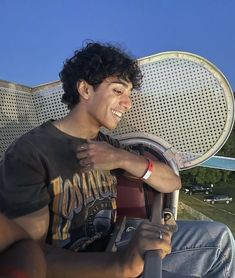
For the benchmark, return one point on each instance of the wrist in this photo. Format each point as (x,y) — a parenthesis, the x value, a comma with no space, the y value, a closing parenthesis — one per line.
(121,159)
(148,171)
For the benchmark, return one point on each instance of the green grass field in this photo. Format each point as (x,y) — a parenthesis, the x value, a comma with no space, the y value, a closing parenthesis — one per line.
(218,212)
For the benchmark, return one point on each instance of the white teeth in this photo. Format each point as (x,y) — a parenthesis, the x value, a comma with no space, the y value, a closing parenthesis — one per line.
(117,113)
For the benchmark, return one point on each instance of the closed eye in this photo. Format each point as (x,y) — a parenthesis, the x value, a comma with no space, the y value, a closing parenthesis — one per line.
(118,92)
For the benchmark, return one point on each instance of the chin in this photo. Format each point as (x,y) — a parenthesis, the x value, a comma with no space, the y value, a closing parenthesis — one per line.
(110,127)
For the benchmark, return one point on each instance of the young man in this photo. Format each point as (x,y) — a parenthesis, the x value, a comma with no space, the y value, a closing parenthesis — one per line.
(58,182)
(20,256)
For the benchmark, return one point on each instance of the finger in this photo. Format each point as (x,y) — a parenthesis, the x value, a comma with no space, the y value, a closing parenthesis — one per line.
(82,154)
(156,227)
(85,162)
(156,235)
(85,170)
(163,254)
(165,236)
(163,247)
(159,245)
(82,147)
(172,226)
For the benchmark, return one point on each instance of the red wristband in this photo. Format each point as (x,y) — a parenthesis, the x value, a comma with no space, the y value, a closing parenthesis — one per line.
(149,170)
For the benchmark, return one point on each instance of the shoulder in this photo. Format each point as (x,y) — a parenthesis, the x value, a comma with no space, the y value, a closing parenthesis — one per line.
(29,139)
(26,147)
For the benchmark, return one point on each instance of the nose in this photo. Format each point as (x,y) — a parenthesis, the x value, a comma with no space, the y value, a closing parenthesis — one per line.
(126,102)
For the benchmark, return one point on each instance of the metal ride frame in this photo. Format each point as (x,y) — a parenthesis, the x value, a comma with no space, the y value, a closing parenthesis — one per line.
(185,106)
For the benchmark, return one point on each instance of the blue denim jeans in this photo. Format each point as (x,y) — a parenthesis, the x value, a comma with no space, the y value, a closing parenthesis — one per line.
(202,249)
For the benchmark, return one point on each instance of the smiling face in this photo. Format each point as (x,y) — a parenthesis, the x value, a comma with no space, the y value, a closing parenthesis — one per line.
(109,101)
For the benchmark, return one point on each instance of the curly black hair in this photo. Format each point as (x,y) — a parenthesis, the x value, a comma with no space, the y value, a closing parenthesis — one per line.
(93,63)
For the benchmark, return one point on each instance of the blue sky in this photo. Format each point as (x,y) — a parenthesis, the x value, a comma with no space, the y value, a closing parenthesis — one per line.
(37,36)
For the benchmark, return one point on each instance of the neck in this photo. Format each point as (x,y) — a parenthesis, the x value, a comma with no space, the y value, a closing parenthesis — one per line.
(78,124)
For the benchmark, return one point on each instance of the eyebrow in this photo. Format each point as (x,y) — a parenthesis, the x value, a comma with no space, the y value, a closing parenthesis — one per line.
(122,83)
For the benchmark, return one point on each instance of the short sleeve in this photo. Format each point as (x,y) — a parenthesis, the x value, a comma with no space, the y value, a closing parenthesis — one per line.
(23,188)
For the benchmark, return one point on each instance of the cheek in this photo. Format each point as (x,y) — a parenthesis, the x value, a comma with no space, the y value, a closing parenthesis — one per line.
(101,106)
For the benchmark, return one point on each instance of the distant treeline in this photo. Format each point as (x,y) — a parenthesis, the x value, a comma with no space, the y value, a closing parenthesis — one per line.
(201,175)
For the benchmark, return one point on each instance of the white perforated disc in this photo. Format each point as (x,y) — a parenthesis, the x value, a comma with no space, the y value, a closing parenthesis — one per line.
(186,101)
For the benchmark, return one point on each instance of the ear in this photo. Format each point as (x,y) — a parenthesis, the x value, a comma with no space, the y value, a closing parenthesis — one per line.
(83,89)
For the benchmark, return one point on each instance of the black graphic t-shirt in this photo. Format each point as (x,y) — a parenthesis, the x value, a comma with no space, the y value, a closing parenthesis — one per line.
(40,168)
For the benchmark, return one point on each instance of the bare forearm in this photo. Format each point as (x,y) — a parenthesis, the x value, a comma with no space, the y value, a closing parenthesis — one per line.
(162,179)
(25,257)
(101,155)
(67,264)
(10,233)
(15,247)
